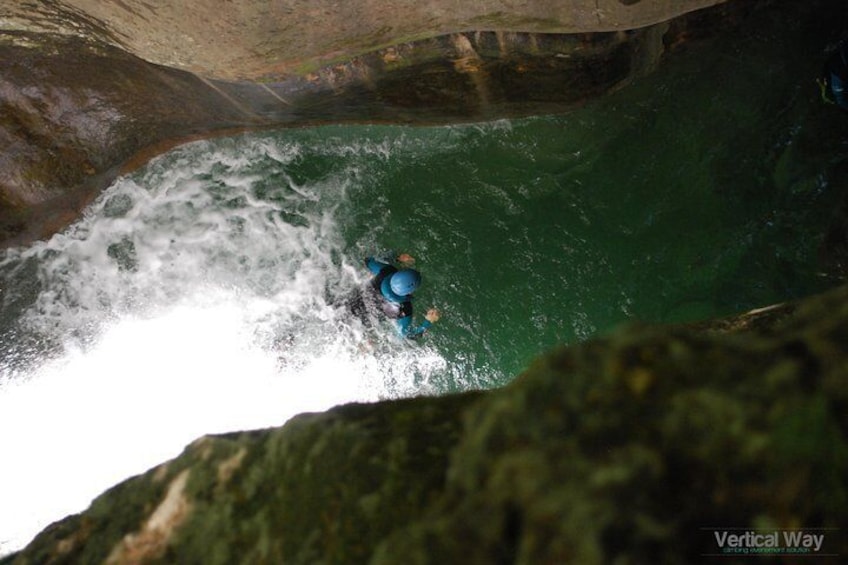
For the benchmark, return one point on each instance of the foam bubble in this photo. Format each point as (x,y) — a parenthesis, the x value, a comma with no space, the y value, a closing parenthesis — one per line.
(195,297)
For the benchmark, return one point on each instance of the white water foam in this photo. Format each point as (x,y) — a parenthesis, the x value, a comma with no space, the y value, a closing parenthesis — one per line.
(192,299)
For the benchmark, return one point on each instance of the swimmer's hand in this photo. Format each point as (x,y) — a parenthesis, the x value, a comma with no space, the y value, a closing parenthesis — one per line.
(406,259)
(432,315)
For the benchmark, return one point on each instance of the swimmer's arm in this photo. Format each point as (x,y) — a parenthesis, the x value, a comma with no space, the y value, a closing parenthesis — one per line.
(374,264)
(407,330)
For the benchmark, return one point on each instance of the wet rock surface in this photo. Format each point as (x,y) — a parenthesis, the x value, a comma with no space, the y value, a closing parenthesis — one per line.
(68,121)
(260,40)
(77,105)
(624,449)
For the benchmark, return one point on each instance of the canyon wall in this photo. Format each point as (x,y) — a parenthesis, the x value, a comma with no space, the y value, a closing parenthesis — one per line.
(89,89)
(624,449)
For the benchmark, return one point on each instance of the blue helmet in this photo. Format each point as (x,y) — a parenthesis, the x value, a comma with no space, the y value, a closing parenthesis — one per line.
(405,281)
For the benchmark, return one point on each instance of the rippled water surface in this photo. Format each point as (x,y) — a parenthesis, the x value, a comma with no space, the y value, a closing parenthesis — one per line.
(200,293)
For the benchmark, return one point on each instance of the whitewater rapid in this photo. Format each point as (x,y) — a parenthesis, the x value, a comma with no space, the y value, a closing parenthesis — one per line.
(196,296)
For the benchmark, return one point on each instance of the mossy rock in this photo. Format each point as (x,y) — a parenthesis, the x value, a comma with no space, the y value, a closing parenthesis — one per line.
(622,449)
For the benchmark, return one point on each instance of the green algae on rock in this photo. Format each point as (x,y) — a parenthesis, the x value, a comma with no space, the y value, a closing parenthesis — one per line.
(622,449)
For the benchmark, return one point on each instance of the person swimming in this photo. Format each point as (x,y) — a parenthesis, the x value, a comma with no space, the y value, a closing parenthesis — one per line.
(390,293)
(835,77)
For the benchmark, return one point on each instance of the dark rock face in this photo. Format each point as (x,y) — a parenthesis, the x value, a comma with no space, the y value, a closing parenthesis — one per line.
(72,112)
(623,449)
(76,108)
(256,40)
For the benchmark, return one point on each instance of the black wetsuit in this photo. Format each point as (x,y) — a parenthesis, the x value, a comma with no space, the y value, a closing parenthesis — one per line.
(377,298)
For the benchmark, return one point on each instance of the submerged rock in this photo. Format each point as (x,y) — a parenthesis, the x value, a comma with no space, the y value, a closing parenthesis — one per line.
(645,446)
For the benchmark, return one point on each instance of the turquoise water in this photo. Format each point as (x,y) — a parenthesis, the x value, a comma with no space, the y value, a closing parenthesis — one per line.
(202,289)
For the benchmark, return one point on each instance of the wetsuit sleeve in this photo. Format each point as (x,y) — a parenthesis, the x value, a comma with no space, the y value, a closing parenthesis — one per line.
(374,265)
(406,328)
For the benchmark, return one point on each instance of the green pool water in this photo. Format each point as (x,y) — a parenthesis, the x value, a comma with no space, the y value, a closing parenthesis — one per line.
(204,287)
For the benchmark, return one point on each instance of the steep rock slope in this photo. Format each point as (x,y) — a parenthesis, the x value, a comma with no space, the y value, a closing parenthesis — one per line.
(633,448)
